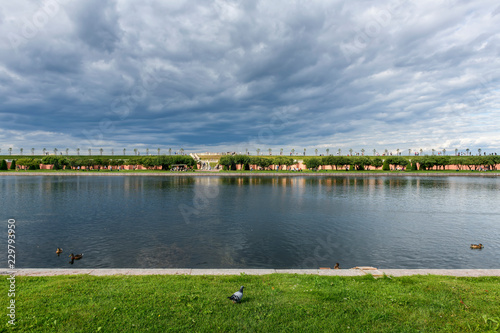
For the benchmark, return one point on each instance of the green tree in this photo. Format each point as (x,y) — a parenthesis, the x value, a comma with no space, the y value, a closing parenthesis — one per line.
(21,151)
(10,151)
(343,161)
(282,160)
(428,162)
(386,166)
(3,165)
(228,162)
(242,160)
(361,162)
(13,165)
(377,162)
(443,161)
(329,160)
(327,151)
(32,151)
(312,163)
(263,162)
(56,165)
(100,151)
(78,151)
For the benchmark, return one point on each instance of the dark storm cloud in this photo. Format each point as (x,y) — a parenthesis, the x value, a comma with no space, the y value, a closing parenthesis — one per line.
(230,75)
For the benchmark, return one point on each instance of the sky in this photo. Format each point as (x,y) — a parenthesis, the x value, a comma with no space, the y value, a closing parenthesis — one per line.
(229,75)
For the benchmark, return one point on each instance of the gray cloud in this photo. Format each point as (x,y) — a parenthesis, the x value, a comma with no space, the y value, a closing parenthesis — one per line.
(215,75)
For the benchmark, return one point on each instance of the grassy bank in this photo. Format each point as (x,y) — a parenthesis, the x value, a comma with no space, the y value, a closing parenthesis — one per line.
(271,303)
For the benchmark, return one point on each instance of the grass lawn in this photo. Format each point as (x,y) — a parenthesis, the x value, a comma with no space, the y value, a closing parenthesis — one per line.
(271,303)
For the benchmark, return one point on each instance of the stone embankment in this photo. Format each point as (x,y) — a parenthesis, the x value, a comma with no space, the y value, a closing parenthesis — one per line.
(356,271)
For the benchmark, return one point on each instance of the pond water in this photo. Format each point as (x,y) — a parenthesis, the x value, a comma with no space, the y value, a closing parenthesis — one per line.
(252,222)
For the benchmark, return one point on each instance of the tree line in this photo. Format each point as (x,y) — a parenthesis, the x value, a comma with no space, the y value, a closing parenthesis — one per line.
(59,162)
(230,161)
(362,162)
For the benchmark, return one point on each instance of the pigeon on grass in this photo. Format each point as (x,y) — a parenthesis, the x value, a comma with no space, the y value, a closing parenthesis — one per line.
(237,296)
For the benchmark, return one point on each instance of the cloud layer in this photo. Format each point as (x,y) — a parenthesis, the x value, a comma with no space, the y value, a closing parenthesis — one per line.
(233,75)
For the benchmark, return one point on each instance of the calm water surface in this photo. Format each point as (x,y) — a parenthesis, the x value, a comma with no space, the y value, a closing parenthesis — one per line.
(252,222)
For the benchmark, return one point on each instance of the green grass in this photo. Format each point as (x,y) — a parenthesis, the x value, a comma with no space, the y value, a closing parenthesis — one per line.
(271,303)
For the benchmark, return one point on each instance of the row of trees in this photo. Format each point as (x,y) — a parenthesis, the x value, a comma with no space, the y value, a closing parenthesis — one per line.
(362,162)
(413,163)
(230,161)
(58,162)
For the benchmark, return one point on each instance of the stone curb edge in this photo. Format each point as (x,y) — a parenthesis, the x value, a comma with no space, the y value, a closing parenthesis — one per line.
(357,271)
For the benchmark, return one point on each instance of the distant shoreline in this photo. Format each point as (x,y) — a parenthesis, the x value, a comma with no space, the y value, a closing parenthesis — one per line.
(260,174)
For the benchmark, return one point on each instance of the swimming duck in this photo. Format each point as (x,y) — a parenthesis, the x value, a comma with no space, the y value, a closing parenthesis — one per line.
(58,251)
(75,257)
(337,266)
(476,246)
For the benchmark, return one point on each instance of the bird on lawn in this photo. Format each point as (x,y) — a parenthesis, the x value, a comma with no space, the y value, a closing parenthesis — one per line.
(75,257)
(58,251)
(476,246)
(237,296)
